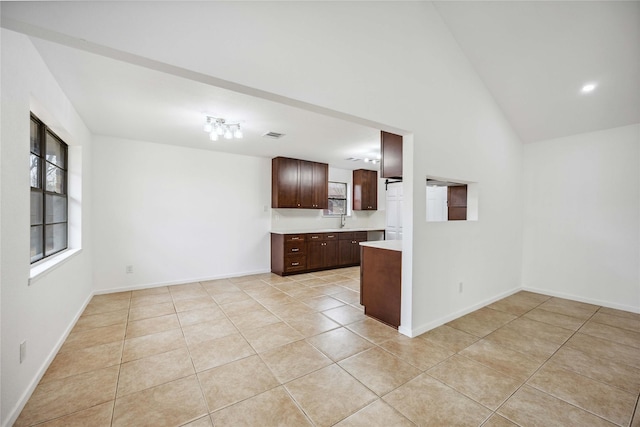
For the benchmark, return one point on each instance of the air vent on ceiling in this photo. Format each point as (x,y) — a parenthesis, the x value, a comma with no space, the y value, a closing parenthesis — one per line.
(274,135)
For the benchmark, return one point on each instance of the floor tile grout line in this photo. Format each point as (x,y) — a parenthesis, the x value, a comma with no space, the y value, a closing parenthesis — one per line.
(526,382)
(374,344)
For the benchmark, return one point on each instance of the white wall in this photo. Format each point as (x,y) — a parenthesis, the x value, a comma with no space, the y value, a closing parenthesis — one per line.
(389,63)
(582,217)
(177,214)
(313,219)
(41,313)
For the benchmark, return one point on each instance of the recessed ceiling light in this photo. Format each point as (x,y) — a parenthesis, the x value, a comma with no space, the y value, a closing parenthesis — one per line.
(589,87)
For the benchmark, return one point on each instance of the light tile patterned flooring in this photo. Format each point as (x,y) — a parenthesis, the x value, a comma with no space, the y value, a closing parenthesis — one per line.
(264,350)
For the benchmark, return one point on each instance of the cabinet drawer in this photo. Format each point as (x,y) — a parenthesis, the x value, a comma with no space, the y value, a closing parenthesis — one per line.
(294,237)
(295,263)
(346,235)
(294,248)
(315,237)
(331,236)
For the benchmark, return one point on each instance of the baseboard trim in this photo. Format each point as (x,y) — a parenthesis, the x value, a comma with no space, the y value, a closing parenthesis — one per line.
(24,398)
(414,332)
(177,282)
(572,297)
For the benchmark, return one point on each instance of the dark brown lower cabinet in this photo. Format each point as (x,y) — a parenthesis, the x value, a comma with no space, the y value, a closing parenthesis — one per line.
(288,253)
(380,284)
(322,252)
(349,247)
(301,253)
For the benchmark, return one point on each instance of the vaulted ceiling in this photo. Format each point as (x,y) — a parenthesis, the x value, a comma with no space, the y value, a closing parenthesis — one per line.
(533,57)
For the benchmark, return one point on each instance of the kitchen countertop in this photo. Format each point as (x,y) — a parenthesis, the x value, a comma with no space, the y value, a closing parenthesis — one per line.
(392,245)
(325,230)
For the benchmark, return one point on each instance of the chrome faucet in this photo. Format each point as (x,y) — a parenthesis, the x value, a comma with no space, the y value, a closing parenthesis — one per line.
(343,220)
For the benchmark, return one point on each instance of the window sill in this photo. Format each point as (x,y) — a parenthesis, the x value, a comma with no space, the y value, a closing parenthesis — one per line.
(44,267)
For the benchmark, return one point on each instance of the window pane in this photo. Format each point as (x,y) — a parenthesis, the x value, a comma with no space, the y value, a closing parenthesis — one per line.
(35,141)
(337,207)
(35,171)
(56,209)
(55,179)
(55,237)
(36,208)
(36,243)
(55,151)
(337,190)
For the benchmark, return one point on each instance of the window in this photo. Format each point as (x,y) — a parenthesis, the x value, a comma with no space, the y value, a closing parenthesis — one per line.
(337,198)
(48,192)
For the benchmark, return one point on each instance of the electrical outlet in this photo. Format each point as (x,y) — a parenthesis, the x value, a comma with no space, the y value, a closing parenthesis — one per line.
(129,269)
(23,351)
(460,286)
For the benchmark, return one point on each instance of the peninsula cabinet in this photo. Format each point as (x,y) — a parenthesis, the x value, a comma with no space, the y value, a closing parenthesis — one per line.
(365,190)
(299,184)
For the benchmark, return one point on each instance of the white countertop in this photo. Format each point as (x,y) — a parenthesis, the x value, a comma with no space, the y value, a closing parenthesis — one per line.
(325,230)
(392,245)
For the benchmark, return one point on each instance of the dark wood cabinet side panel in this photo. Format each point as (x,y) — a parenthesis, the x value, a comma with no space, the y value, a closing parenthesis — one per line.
(277,253)
(391,151)
(381,284)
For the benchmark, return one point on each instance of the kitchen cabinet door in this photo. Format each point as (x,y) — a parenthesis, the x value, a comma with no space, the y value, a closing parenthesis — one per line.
(321,253)
(285,183)
(320,186)
(365,190)
(457,203)
(306,185)
(314,254)
(299,184)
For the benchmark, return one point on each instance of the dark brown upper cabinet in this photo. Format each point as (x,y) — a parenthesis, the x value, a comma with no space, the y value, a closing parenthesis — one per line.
(365,190)
(299,184)
(391,152)
(457,203)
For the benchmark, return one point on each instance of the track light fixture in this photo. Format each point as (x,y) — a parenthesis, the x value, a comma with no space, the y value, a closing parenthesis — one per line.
(217,127)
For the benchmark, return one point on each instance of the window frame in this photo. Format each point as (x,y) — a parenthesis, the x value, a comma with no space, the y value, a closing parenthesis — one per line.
(327,211)
(45,134)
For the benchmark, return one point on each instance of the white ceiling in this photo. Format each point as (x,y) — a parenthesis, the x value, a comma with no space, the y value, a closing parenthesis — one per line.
(115,98)
(532,56)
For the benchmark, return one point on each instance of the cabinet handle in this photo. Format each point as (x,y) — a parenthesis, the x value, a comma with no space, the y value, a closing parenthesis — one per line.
(295,238)
(314,237)
(295,263)
(295,249)
(330,237)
